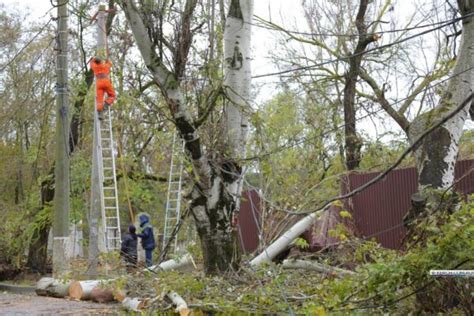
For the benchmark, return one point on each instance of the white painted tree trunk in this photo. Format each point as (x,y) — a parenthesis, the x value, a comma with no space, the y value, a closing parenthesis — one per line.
(436,157)
(284,240)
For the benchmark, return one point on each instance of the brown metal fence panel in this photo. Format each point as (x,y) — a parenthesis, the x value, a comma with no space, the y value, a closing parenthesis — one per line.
(378,211)
(248,226)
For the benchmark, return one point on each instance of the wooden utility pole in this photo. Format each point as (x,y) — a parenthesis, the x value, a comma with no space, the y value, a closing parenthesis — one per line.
(61,172)
(96,231)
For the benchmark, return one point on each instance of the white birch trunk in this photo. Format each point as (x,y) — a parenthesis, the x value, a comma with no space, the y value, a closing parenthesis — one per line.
(436,157)
(237,82)
(179,302)
(173,264)
(284,240)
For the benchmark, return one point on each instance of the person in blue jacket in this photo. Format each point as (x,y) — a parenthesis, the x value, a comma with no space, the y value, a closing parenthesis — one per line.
(148,240)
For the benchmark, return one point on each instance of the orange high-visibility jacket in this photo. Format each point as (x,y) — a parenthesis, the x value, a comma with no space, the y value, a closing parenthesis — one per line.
(103,84)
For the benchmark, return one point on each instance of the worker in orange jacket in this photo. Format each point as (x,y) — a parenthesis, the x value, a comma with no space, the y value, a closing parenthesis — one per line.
(103,84)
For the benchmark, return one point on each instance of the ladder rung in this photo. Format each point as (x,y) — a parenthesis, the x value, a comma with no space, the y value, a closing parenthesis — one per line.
(113,238)
(109,188)
(109,197)
(111,228)
(108,168)
(108,178)
(106,138)
(111,217)
(110,207)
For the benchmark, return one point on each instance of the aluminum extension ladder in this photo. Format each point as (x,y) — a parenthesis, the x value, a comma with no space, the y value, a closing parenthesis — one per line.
(173,197)
(108,182)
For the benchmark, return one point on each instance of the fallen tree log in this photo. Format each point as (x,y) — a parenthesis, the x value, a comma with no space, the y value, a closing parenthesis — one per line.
(102,295)
(173,264)
(315,266)
(82,290)
(284,240)
(181,305)
(52,287)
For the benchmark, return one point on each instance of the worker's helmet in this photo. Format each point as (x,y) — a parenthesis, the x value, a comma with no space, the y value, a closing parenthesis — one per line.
(98,59)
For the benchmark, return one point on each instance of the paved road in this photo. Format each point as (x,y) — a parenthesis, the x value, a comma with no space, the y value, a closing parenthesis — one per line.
(30,304)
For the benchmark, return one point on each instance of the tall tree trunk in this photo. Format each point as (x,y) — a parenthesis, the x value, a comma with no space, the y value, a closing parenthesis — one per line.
(436,156)
(353,143)
(216,185)
(237,78)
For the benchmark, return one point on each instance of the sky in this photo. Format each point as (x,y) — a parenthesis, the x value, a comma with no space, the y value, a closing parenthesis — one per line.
(279,11)
(287,13)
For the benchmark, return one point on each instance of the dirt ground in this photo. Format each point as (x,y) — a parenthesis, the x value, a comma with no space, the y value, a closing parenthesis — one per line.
(20,304)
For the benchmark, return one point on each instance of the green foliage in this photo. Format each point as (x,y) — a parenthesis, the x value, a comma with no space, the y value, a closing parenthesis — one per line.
(390,283)
(301,243)
(386,281)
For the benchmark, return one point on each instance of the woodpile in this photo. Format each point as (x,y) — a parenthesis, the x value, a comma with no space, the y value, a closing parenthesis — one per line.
(102,291)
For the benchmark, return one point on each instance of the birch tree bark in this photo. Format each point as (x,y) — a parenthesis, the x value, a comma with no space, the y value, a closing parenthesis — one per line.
(237,78)
(216,181)
(436,157)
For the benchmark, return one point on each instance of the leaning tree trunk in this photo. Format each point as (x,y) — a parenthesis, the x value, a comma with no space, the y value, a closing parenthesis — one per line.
(213,202)
(436,156)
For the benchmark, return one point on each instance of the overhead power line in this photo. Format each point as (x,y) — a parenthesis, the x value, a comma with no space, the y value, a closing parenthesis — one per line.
(273,27)
(26,45)
(304,140)
(303,68)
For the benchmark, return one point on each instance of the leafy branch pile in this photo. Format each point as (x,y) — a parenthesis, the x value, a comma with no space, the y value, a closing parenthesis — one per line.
(389,282)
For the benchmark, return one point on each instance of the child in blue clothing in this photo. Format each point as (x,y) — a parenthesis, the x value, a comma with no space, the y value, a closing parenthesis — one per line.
(148,239)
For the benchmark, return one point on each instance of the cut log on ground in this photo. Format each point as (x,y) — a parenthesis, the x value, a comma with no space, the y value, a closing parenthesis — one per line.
(173,264)
(102,295)
(52,287)
(315,266)
(134,304)
(82,290)
(181,306)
